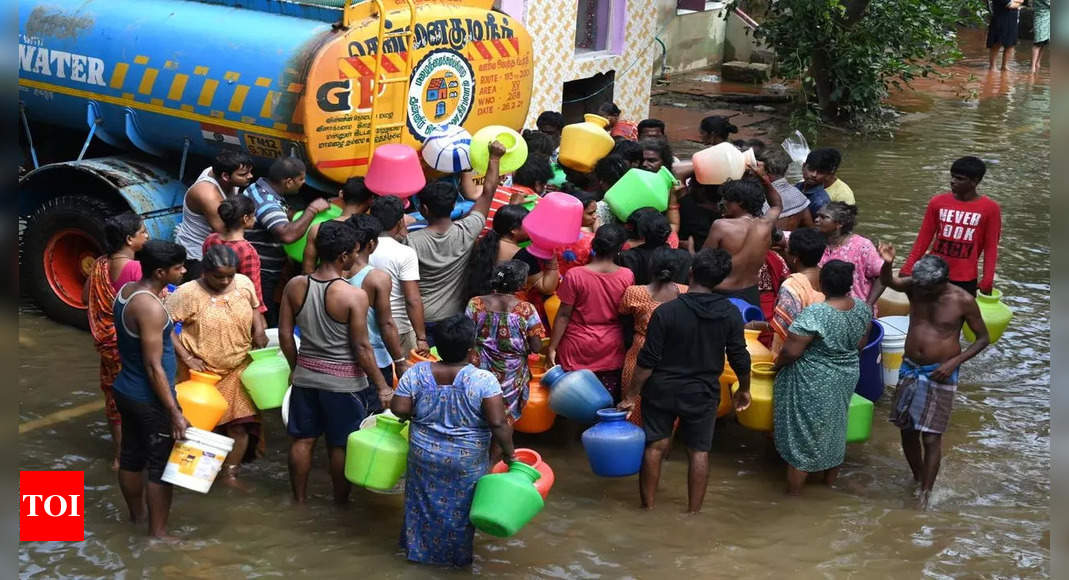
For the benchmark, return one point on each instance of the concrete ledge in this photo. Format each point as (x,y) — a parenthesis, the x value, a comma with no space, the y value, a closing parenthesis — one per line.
(763,55)
(745,72)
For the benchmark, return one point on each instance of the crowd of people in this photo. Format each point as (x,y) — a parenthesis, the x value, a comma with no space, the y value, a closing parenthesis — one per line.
(643,304)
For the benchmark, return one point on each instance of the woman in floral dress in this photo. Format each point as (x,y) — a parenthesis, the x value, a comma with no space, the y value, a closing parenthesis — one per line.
(507,330)
(220,325)
(836,221)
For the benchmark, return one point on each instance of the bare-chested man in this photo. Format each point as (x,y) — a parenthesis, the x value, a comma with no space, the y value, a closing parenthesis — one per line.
(230,172)
(744,232)
(928,377)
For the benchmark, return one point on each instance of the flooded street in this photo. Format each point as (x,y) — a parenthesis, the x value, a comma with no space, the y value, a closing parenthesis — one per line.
(990,507)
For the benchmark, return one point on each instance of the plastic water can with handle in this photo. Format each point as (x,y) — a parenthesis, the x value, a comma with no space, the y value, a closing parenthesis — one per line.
(859,419)
(515,149)
(582,145)
(719,163)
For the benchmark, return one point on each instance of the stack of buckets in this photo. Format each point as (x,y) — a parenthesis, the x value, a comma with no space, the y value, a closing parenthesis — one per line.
(893,347)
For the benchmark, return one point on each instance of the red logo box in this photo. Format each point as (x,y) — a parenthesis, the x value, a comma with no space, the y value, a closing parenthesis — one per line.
(51,506)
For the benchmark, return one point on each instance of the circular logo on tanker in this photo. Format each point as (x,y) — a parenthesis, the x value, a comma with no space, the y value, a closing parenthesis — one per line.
(441,91)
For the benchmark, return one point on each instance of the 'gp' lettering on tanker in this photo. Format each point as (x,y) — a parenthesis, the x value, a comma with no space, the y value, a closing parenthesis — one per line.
(61,64)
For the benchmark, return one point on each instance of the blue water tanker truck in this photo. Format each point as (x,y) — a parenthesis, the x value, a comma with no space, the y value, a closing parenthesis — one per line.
(122,104)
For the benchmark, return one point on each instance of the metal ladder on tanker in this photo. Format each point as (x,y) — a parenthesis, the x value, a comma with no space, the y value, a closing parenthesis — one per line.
(407,35)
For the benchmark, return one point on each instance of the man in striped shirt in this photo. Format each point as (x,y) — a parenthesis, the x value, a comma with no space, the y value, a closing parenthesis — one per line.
(273,226)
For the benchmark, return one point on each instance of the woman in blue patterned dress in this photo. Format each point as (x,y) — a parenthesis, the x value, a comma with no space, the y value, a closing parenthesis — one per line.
(455,409)
(818,370)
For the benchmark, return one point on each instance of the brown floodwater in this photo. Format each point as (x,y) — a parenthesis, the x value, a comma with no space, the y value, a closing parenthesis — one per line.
(989,516)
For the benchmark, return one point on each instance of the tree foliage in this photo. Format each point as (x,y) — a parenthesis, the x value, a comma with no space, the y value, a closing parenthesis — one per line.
(848,54)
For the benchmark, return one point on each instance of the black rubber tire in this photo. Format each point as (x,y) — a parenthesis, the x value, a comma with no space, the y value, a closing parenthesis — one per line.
(74,211)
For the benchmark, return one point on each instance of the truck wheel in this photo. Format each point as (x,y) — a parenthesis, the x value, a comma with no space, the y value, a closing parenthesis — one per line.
(62,239)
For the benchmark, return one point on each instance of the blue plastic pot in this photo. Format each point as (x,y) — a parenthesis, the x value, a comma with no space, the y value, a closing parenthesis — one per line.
(614,446)
(576,395)
(870,385)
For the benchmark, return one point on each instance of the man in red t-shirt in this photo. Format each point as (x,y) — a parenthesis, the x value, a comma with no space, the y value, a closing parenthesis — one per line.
(964,225)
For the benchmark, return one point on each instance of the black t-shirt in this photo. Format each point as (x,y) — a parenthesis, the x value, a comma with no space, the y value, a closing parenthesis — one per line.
(640,261)
(534,265)
(686,341)
(695,220)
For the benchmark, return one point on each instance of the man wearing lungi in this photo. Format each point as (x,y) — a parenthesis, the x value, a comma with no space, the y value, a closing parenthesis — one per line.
(928,377)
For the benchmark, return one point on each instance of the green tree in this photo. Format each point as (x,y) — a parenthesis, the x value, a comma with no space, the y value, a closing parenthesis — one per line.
(850,53)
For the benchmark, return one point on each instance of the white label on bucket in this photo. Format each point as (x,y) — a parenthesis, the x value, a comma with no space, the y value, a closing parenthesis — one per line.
(207,467)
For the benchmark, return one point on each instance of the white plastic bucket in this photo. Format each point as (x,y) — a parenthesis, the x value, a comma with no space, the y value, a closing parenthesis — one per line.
(893,347)
(272,339)
(286,407)
(197,459)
